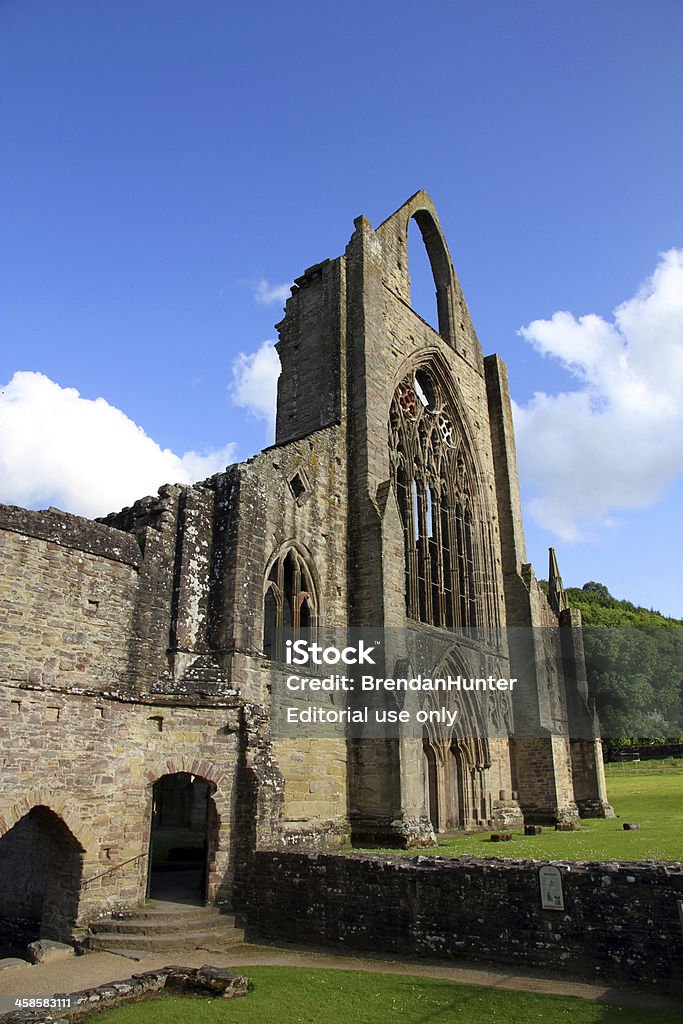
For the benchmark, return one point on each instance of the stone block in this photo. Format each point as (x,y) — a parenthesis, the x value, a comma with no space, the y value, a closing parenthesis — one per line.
(12,961)
(45,951)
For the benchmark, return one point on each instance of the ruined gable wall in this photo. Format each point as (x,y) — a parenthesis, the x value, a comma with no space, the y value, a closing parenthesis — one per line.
(385,337)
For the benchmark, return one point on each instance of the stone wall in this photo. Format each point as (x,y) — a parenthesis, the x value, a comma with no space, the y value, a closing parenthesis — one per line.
(67,596)
(92,762)
(620,921)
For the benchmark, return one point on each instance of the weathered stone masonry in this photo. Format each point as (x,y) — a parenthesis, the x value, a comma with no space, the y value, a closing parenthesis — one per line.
(143,645)
(620,920)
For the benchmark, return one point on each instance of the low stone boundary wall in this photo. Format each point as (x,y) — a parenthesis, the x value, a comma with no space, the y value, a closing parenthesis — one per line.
(620,920)
(203,981)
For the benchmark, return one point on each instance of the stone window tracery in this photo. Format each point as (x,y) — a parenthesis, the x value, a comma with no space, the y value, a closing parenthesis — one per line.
(289,602)
(434,488)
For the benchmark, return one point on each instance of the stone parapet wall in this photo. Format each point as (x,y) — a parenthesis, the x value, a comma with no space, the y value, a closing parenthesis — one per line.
(71,531)
(621,921)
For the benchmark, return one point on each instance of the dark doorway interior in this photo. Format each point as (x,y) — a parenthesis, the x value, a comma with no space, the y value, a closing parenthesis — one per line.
(41,865)
(179,837)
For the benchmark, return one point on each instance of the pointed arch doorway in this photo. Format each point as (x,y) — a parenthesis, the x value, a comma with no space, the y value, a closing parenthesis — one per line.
(182,833)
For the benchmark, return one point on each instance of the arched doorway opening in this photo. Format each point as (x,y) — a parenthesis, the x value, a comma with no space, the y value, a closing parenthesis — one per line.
(41,866)
(182,833)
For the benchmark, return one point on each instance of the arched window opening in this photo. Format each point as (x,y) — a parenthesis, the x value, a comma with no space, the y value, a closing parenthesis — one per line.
(270,617)
(289,603)
(424,390)
(305,613)
(429,512)
(422,284)
(469,554)
(416,514)
(435,497)
(291,588)
(430,274)
(448,571)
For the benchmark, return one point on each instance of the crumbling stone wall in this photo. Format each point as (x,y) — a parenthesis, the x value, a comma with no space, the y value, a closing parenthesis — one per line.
(620,920)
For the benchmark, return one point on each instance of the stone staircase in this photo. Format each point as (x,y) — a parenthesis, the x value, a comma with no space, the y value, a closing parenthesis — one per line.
(161,926)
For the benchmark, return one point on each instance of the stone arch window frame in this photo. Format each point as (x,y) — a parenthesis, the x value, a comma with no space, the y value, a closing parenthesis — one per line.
(304,572)
(442,269)
(477,601)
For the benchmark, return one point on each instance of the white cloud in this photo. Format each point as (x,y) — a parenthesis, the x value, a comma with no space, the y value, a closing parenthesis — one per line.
(254,383)
(270,294)
(616,442)
(84,456)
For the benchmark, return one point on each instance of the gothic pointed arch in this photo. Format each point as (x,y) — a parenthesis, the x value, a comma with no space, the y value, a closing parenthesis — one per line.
(290,597)
(439,260)
(457,758)
(420,209)
(444,512)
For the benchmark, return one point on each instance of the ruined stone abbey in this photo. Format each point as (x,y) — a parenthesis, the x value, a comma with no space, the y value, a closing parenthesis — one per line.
(137,652)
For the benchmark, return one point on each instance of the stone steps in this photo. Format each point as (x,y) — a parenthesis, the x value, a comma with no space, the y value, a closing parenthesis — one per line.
(165,927)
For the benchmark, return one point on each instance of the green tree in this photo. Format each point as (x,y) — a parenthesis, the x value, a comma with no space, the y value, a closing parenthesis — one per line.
(634,657)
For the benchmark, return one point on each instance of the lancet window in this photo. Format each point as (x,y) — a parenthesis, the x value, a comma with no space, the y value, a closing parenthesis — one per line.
(434,486)
(289,603)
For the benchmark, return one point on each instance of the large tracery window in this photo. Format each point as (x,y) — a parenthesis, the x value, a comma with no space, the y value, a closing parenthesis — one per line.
(289,602)
(434,487)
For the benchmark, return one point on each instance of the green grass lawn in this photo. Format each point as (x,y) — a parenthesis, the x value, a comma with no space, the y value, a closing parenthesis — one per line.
(650,793)
(296,995)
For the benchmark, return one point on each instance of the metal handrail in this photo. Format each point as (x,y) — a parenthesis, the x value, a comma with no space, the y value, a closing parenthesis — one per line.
(110,870)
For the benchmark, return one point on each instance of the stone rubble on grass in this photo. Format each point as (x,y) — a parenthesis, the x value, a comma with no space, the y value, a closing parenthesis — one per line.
(204,981)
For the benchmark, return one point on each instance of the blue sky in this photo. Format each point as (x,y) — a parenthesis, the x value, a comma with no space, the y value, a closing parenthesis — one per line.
(169,166)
